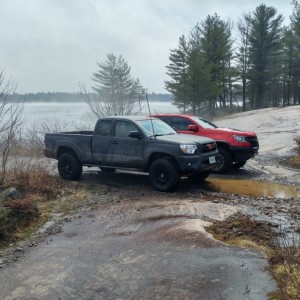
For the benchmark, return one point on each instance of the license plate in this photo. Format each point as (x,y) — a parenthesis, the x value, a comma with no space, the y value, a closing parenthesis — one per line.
(212,159)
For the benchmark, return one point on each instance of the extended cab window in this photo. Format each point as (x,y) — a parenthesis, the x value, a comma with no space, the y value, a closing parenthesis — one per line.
(123,128)
(180,123)
(104,127)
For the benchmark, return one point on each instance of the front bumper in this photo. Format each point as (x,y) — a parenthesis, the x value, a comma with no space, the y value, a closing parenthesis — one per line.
(243,153)
(198,163)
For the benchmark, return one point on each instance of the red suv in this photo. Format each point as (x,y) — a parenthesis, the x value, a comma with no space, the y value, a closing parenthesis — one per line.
(235,146)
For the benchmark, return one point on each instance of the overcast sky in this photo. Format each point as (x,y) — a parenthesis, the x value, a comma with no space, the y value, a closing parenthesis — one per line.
(52,45)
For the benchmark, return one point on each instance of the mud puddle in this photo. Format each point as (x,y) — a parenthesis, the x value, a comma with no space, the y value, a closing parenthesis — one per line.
(251,188)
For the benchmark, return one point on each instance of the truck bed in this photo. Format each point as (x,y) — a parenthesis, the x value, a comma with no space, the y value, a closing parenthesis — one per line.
(79,141)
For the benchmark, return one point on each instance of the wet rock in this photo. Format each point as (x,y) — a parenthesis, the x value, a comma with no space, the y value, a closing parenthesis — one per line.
(19,249)
(10,193)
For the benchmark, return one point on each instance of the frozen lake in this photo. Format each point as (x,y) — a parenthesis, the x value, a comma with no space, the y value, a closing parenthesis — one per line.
(37,112)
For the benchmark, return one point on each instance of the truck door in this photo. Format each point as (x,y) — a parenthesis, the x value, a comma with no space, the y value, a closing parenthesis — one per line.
(124,150)
(101,142)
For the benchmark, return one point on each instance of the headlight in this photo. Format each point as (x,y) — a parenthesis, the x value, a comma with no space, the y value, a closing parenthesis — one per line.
(188,149)
(240,138)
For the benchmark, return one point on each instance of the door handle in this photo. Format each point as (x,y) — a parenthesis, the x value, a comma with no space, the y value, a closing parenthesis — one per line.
(115,142)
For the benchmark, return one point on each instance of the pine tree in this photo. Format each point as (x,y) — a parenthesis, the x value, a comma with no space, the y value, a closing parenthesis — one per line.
(289,63)
(216,45)
(264,54)
(295,64)
(117,92)
(243,54)
(200,67)
(178,71)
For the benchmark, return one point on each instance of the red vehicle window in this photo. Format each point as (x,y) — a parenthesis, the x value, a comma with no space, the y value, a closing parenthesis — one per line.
(181,123)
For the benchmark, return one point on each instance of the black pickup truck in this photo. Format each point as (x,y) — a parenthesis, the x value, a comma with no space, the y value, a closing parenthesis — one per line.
(137,143)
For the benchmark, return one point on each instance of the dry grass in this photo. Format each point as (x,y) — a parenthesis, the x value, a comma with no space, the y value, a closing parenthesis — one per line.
(241,228)
(285,267)
(30,176)
(294,161)
(297,140)
(36,187)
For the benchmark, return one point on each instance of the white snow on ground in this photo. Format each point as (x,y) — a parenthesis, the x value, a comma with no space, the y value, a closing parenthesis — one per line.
(276,128)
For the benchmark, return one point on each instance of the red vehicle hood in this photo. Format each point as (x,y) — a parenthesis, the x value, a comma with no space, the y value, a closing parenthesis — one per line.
(232,131)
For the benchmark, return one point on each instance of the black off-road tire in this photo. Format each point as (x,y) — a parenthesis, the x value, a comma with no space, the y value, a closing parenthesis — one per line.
(69,167)
(238,164)
(225,161)
(199,177)
(164,175)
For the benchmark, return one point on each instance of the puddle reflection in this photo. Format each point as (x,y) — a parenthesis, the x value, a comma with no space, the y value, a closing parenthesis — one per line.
(251,188)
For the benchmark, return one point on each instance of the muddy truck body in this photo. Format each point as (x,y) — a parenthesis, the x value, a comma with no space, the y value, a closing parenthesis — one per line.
(135,143)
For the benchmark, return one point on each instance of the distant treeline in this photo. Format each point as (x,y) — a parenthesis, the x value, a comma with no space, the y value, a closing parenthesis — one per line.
(76,97)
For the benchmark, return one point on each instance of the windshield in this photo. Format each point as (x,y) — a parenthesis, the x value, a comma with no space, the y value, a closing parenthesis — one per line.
(155,127)
(204,123)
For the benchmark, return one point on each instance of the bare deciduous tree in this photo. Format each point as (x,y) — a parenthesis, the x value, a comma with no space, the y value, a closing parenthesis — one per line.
(33,137)
(11,110)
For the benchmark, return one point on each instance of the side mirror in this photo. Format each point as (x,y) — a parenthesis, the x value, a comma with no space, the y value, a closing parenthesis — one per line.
(135,134)
(193,128)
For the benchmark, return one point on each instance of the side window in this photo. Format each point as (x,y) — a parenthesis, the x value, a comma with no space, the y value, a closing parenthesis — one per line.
(180,123)
(104,127)
(166,119)
(123,128)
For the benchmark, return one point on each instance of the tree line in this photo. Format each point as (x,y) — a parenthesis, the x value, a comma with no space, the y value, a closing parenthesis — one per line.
(72,97)
(209,71)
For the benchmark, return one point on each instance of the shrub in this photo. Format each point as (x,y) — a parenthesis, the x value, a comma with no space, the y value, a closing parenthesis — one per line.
(30,141)
(297,140)
(285,266)
(5,225)
(32,176)
(22,212)
(16,214)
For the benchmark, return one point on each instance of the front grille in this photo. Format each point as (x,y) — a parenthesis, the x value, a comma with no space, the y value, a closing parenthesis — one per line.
(208,147)
(253,142)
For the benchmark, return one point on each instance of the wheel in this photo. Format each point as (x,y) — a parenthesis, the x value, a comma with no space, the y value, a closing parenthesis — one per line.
(108,170)
(198,177)
(164,175)
(225,161)
(238,164)
(69,167)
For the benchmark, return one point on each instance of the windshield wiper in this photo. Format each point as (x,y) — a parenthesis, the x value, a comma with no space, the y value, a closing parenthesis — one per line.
(157,134)
(162,134)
